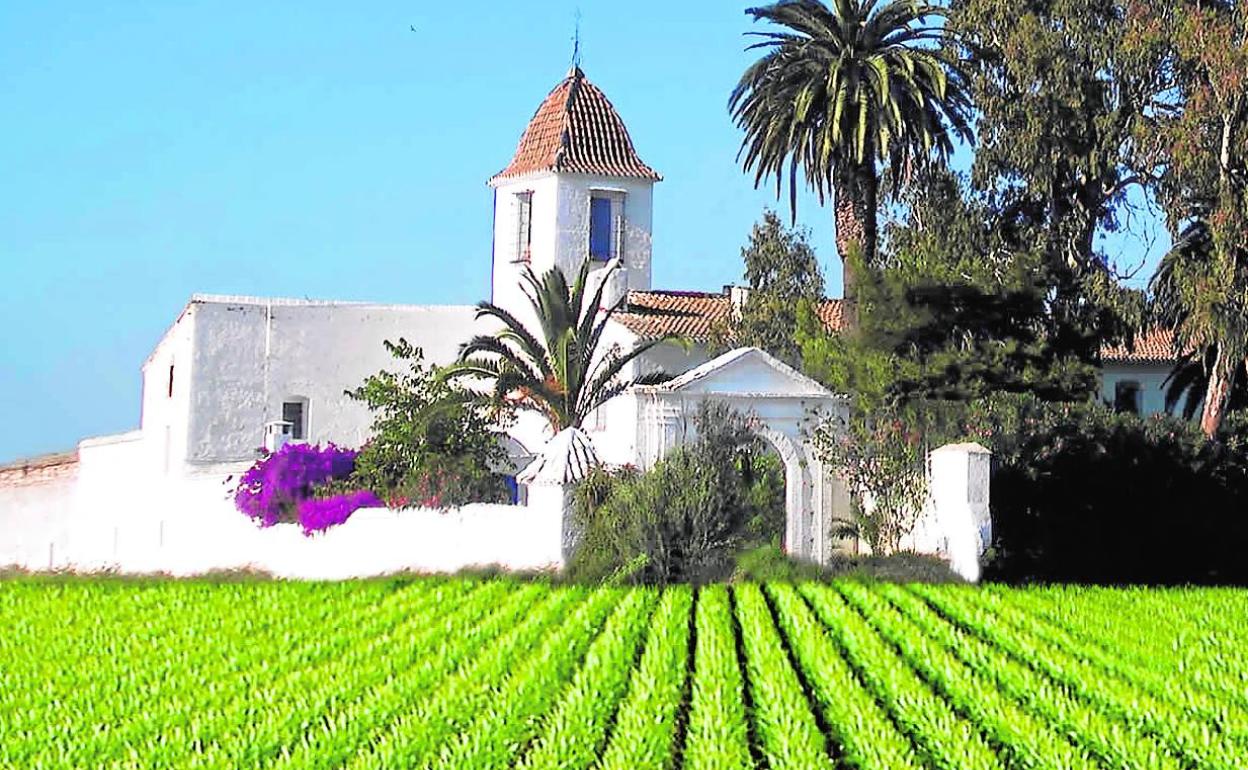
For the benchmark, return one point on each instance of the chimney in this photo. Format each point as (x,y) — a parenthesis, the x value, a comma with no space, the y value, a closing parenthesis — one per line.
(738,295)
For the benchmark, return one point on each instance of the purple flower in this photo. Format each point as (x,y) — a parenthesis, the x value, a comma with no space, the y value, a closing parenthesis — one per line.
(271,490)
(319,514)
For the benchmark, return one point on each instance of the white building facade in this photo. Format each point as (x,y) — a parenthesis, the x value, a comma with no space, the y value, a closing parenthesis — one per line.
(230,368)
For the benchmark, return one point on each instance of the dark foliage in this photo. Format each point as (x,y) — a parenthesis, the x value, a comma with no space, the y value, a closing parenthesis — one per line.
(1082,494)
(682,520)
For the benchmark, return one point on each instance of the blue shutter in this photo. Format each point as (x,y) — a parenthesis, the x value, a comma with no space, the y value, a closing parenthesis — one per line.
(600,228)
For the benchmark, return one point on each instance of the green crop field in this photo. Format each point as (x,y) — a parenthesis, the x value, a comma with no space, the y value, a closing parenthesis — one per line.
(457,673)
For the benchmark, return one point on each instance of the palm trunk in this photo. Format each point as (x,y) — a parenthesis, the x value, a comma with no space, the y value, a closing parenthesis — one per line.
(1218,393)
(855,192)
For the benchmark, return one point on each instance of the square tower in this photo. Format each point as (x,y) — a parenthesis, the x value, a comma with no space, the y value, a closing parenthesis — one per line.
(574,191)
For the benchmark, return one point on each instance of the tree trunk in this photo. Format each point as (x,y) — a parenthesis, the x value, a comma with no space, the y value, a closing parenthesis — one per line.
(1218,393)
(855,192)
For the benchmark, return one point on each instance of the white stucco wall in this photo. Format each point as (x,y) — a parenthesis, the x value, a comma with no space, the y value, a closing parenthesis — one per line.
(251,355)
(560,231)
(167,377)
(36,507)
(1150,376)
(111,517)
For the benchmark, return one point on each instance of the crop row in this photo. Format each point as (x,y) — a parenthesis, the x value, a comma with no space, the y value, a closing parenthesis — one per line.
(465,673)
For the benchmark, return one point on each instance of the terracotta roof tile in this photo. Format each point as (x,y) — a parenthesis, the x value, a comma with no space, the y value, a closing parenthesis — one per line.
(693,314)
(1153,346)
(696,314)
(577,130)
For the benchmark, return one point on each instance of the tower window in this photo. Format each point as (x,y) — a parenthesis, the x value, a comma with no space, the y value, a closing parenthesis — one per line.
(600,227)
(170,380)
(295,413)
(524,225)
(1127,396)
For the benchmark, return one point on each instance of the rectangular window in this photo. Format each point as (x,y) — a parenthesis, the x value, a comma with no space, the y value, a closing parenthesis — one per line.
(524,225)
(599,228)
(1127,396)
(292,412)
(170,380)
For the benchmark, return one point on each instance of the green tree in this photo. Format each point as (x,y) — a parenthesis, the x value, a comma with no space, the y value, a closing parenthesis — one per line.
(843,91)
(1066,97)
(1201,286)
(956,309)
(431,443)
(782,273)
(558,370)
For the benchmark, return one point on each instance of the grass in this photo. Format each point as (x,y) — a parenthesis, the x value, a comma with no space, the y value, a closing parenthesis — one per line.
(241,672)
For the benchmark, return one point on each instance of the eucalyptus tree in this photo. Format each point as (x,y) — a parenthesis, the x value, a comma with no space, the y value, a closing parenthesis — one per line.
(1201,286)
(1200,291)
(559,369)
(844,92)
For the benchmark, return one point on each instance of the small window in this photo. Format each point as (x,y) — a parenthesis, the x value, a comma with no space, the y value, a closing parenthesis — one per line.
(599,228)
(524,226)
(1127,396)
(293,412)
(170,380)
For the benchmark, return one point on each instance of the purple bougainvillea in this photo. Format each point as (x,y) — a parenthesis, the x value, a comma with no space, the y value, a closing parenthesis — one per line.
(272,489)
(319,514)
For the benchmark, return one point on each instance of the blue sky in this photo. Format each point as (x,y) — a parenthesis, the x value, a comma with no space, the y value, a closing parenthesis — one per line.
(149,150)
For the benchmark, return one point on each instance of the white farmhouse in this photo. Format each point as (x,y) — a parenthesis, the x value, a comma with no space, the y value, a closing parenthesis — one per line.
(231,369)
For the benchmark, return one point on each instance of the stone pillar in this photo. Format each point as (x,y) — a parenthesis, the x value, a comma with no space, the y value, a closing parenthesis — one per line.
(959,495)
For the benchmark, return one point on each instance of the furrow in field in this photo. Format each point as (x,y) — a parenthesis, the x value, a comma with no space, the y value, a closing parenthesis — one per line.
(346,730)
(1199,743)
(513,719)
(717,737)
(573,735)
(787,730)
(208,721)
(1113,742)
(415,736)
(867,739)
(944,738)
(646,725)
(1022,739)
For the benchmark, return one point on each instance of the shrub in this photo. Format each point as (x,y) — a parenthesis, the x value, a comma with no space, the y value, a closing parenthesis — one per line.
(1080,493)
(433,444)
(318,514)
(682,520)
(882,457)
(272,489)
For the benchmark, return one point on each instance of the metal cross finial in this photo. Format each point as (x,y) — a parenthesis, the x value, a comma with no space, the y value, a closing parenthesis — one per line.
(576,41)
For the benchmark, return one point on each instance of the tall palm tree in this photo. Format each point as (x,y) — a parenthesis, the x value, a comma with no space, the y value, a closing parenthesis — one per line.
(1201,293)
(556,370)
(842,88)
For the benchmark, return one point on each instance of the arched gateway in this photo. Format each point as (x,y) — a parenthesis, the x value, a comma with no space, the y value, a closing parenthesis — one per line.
(784,405)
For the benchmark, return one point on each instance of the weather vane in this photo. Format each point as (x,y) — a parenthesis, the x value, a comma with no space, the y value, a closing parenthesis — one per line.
(576,40)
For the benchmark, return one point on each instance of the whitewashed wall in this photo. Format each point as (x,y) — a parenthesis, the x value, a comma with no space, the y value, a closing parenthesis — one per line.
(1150,376)
(188,525)
(250,355)
(559,234)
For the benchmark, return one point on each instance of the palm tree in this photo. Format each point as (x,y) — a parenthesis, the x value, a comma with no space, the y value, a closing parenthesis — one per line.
(1188,383)
(556,370)
(1200,292)
(842,88)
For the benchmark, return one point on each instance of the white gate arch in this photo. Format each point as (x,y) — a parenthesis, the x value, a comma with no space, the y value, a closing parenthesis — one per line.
(783,406)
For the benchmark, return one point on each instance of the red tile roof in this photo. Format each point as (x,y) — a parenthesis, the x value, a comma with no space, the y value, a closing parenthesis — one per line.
(1152,346)
(577,130)
(694,314)
(697,314)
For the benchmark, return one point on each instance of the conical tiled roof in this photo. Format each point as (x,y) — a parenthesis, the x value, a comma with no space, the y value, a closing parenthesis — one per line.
(576,130)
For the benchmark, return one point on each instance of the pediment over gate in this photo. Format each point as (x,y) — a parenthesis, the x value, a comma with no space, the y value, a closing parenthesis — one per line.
(743,372)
